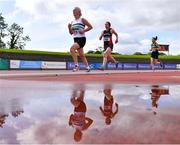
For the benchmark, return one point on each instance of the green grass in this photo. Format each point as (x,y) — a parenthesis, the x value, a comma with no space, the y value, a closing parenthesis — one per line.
(89,55)
(32,52)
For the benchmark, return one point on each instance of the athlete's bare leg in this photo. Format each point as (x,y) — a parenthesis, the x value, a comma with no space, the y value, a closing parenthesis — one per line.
(112,58)
(152,63)
(73,50)
(105,56)
(82,56)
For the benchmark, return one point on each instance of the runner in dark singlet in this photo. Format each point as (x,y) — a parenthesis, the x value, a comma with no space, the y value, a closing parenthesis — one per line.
(108,44)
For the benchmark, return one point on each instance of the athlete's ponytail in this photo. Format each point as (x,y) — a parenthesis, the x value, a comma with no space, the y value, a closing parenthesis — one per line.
(155,38)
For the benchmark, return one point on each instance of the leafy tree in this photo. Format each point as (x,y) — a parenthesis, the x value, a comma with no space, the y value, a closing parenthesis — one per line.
(161,53)
(3,27)
(17,40)
(90,52)
(98,52)
(116,53)
(138,53)
(99,49)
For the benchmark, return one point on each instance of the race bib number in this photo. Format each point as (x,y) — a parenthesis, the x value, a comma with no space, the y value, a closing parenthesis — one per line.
(106,39)
(75,32)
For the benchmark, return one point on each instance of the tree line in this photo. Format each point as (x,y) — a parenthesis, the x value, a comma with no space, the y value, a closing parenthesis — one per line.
(99,50)
(13,34)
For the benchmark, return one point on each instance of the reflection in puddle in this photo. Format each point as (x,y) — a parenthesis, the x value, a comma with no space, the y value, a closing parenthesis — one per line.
(78,119)
(107,109)
(46,112)
(156,93)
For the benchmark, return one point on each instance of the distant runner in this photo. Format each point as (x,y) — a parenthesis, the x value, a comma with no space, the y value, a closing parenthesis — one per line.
(155,53)
(108,44)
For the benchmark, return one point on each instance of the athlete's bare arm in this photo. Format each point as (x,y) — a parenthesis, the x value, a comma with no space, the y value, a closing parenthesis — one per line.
(70,119)
(89,26)
(114,32)
(101,36)
(102,111)
(88,121)
(117,109)
(159,48)
(70,29)
(75,102)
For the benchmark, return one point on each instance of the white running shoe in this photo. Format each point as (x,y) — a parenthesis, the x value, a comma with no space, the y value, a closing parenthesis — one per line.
(76,68)
(88,69)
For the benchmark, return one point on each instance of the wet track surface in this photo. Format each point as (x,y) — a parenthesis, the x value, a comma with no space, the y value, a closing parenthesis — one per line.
(118,76)
(64,112)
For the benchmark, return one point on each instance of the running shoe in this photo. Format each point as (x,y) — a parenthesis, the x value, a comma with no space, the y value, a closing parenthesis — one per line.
(117,63)
(76,68)
(101,68)
(161,64)
(88,69)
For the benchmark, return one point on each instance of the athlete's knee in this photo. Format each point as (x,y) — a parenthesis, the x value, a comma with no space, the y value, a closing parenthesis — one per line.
(105,54)
(72,50)
(81,55)
(109,49)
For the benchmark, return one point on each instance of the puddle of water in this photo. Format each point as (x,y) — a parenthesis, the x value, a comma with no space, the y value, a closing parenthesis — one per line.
(54,112)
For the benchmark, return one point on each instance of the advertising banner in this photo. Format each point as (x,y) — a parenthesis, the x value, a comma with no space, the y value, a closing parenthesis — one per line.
(177,66)
(113,66)
(53,65)
(4,64)
(70,65)
(170,66)
(143,66)
(30,64)
(93,65)
(158,66)
(14,64)
(130,66)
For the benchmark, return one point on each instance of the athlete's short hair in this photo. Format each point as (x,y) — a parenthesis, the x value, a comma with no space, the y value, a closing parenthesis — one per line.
(77,9)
